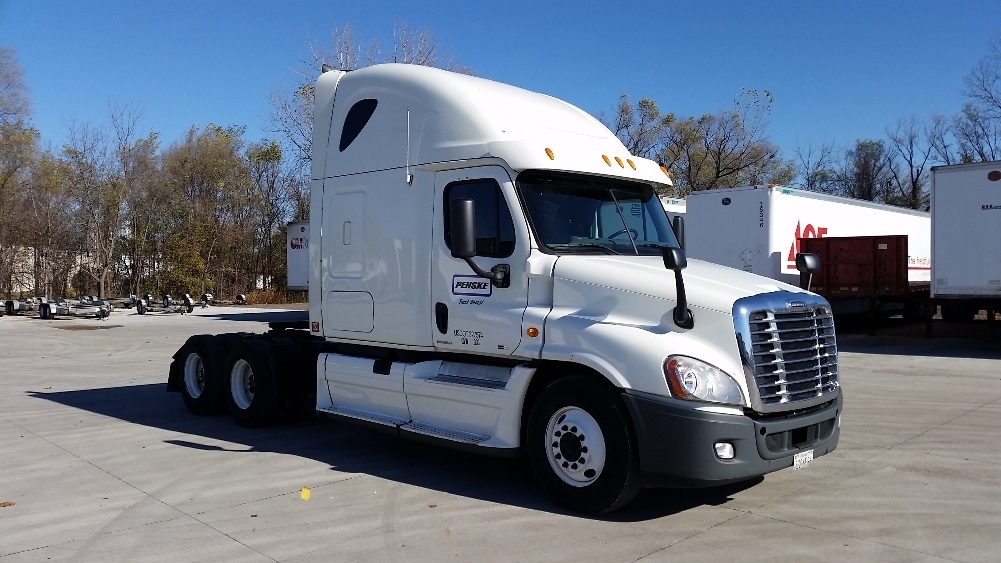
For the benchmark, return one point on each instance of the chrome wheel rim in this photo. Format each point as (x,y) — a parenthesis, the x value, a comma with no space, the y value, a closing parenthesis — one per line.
(575,446)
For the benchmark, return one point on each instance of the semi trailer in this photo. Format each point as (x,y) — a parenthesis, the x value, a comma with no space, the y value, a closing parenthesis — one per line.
(966,231)
(759,228)
(491,270)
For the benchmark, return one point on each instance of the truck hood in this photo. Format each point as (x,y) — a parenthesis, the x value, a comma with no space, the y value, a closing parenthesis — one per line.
(707,285)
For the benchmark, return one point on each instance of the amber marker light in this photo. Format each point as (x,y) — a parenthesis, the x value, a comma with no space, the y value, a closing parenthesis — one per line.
(664,170)
(549,153)
(532,332)
(631,163)
(606,159)
(619,162)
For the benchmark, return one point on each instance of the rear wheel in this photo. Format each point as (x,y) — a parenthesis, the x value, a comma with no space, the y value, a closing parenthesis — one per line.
(252,399)
(141,307)
(202,383)
(44,311)
(581,446)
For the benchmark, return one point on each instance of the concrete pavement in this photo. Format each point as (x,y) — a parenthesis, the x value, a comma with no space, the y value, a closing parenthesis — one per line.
(101,464)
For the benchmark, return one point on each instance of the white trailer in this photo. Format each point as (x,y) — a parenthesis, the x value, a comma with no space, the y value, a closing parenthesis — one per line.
(757,228)
(966,231)
(297,255)
(491,270)
(673,206)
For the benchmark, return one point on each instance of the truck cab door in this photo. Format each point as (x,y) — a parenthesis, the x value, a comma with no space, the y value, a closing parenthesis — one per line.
(471,314)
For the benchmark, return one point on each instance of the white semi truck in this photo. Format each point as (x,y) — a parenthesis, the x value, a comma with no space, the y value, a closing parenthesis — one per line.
(490,269)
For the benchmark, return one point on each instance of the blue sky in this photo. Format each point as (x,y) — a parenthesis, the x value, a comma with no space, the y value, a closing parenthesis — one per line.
(838,70)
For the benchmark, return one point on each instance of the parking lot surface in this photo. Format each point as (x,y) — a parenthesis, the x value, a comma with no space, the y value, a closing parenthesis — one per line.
(99,463)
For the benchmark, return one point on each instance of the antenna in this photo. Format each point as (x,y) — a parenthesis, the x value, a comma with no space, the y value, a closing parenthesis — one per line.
(410,177)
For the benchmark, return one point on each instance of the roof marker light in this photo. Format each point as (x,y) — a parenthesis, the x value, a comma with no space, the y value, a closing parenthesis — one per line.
(607,161)
(631,163)
(619,162)
(664,170)
(549,153)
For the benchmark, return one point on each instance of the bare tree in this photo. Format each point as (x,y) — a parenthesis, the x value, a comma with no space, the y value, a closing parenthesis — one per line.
(941,140)
(868,171)
(978,134)
(909,140)
(640,127)
(98,196)
(983,84)
(814,167)
(291,117)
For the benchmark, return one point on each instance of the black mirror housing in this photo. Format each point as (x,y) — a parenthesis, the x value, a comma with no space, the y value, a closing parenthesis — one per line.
(674,258)
(807,263)
(462,228)
(678,225)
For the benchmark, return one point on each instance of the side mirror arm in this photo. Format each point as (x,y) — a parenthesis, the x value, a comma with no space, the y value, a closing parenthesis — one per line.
(674,259)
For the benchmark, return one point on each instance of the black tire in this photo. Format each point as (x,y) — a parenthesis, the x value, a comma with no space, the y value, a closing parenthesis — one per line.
(141,307)
(250,383)
(202,382)
(556,430)
(45,311)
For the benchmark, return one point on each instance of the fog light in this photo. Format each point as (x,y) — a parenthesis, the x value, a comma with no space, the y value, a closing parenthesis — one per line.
(724,450)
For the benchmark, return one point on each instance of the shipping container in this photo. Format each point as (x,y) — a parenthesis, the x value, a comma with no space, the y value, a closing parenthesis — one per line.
(758,228)
(861,267)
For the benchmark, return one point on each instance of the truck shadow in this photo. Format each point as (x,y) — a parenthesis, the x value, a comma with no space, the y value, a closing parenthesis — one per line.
(354,449)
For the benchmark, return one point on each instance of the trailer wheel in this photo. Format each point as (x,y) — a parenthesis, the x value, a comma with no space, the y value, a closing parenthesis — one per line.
(581,446)
(202,381)
(252,399)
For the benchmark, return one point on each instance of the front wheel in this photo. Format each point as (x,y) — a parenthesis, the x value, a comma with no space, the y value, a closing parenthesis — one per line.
(581,446)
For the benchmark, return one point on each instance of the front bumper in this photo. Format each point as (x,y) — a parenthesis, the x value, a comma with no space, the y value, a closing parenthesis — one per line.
(676,441)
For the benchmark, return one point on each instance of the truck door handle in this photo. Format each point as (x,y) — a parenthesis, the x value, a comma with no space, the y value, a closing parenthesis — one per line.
(441,317)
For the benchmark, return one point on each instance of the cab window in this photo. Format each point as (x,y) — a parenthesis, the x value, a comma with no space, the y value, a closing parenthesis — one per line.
(494,227)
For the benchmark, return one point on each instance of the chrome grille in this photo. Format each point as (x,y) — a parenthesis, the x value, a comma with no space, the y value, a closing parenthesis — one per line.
(789,351)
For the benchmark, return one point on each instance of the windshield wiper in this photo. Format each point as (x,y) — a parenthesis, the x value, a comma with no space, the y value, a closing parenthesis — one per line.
(568,246)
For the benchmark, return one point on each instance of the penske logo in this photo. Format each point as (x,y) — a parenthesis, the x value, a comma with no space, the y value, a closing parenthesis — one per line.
(471,285)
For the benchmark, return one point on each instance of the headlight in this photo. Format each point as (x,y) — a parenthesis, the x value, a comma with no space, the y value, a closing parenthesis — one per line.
(693,380)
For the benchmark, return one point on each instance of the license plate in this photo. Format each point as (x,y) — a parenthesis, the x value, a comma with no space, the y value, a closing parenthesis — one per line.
(802,459)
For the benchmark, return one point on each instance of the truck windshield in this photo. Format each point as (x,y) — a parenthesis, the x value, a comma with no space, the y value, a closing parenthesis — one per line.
(592,215)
